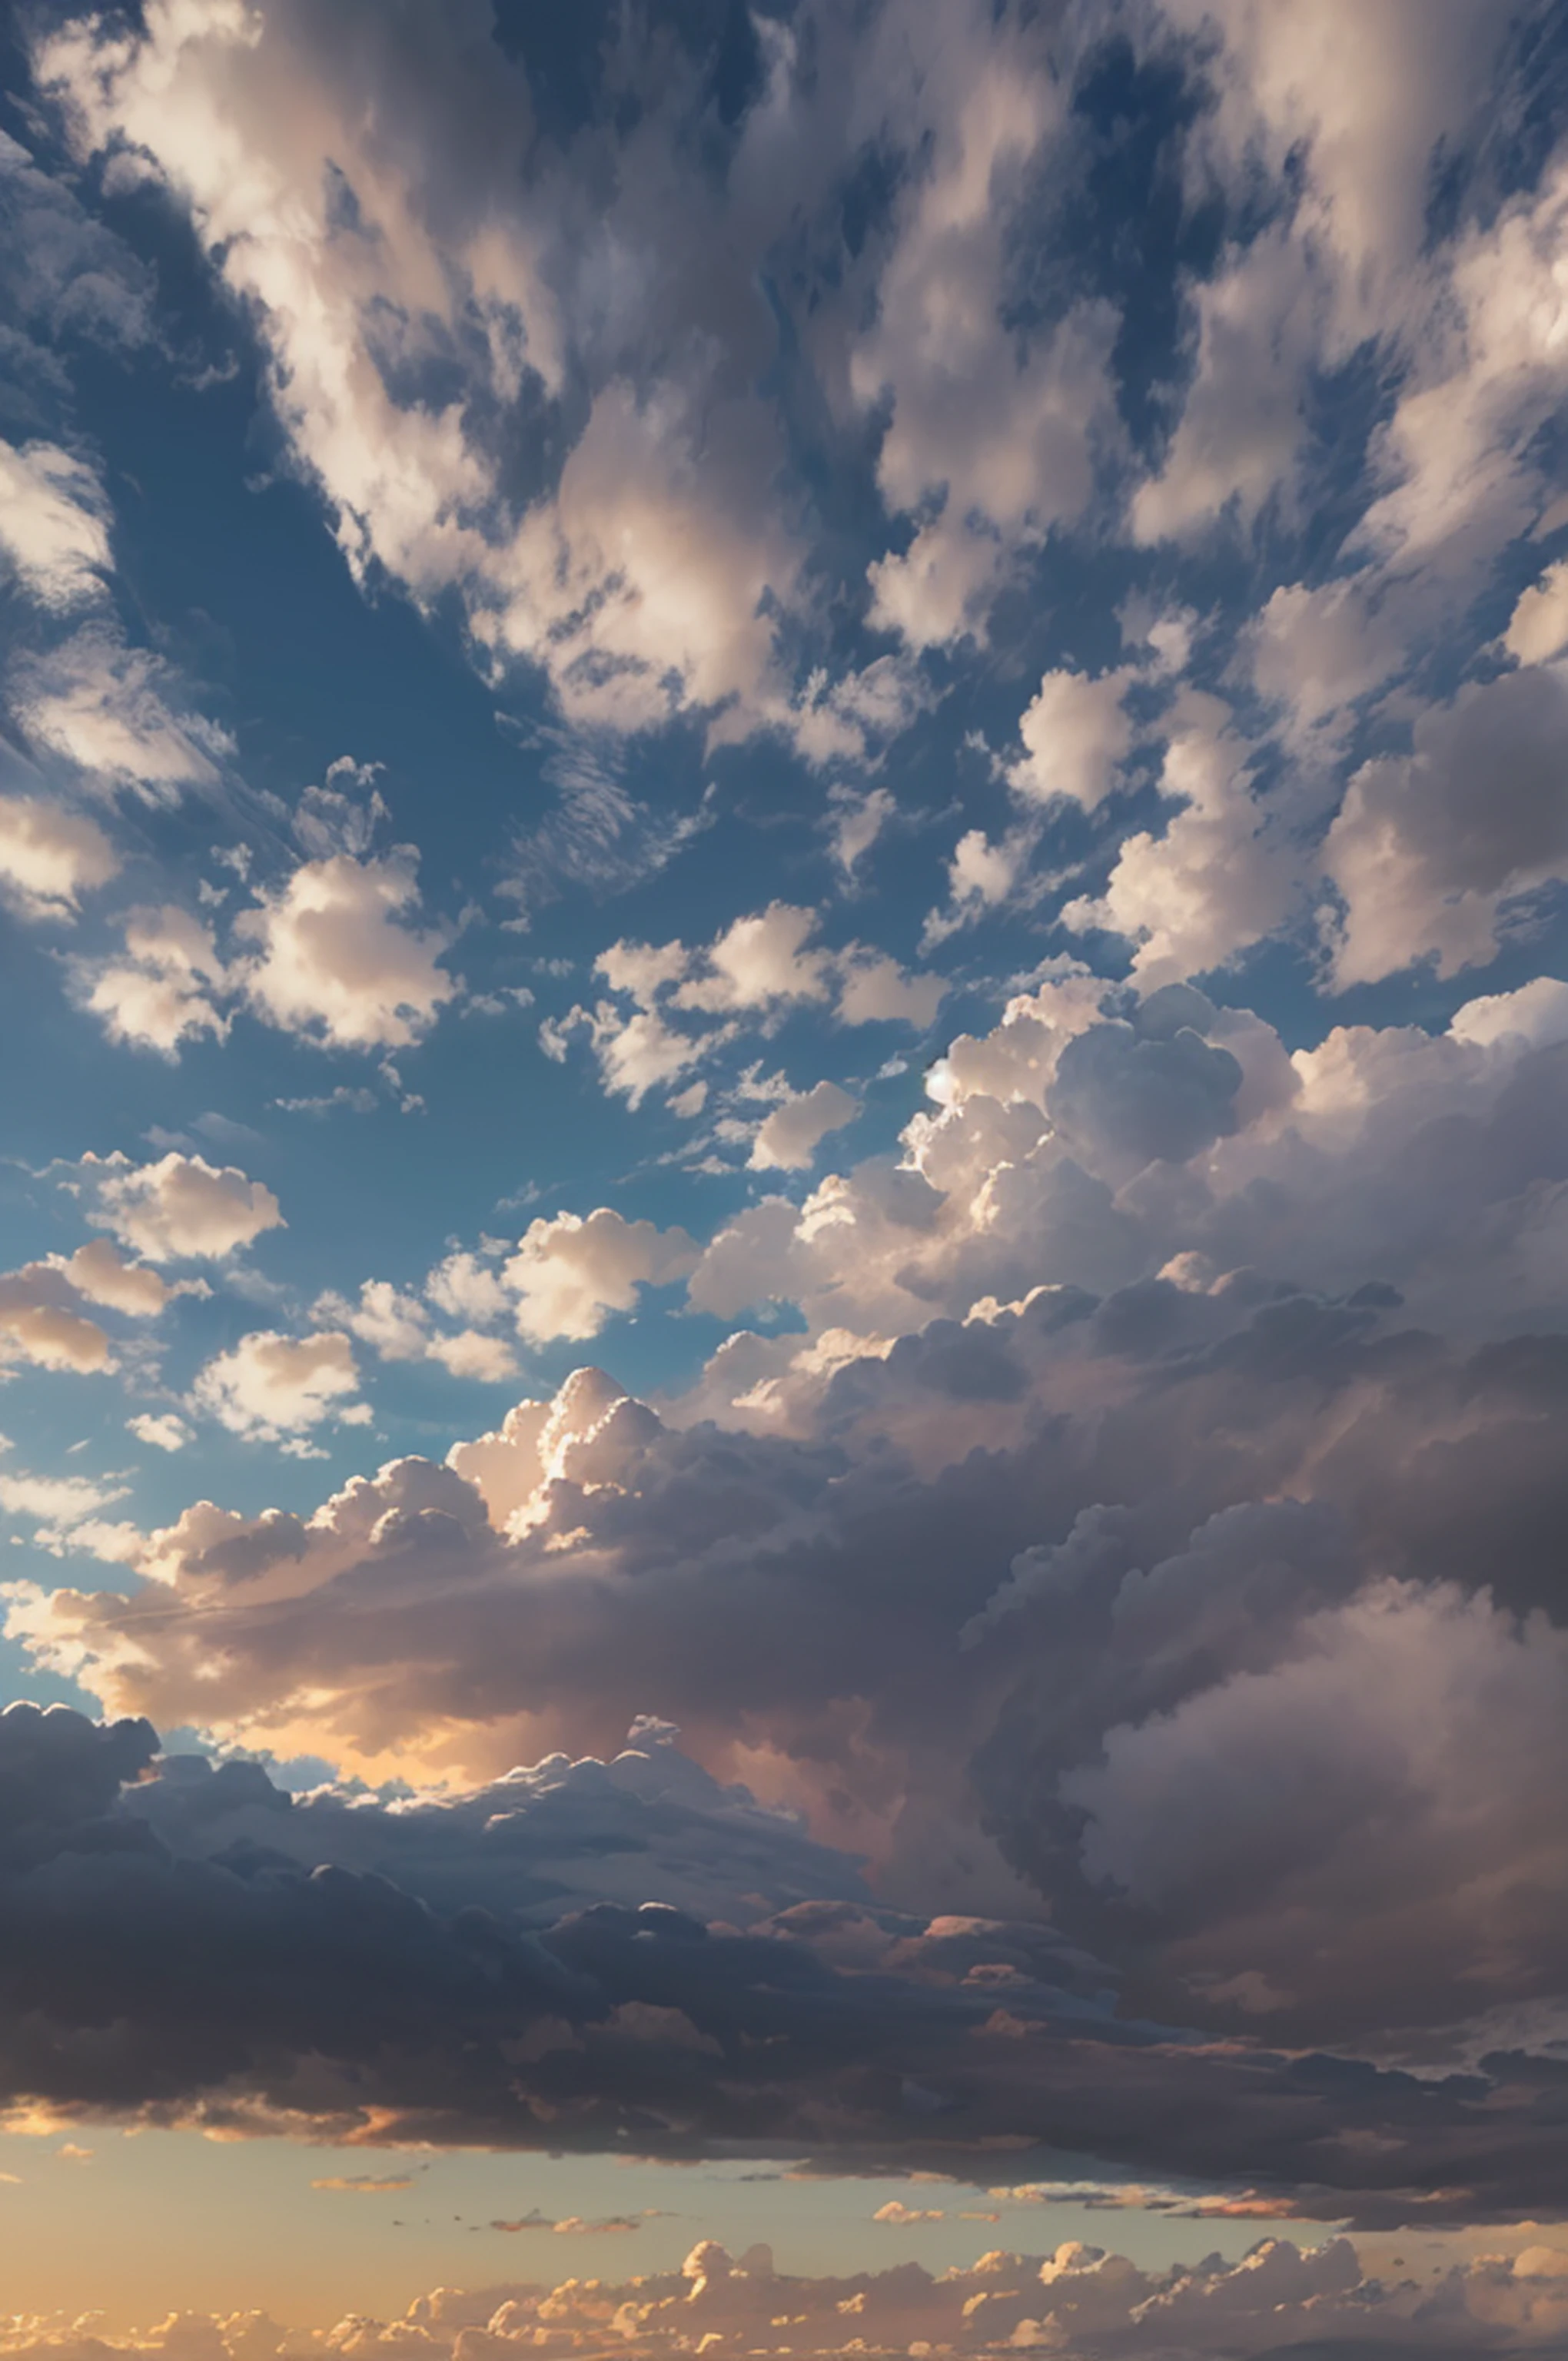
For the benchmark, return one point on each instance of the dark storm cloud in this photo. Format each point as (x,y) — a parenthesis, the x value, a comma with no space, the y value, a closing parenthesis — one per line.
(242,1989)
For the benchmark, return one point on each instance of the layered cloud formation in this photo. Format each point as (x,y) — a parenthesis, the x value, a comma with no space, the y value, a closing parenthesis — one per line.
(951,624)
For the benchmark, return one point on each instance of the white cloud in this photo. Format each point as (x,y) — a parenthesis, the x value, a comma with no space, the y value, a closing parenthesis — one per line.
(165,988)
(52,524)
(569,1274)
(66,1511)
(1215,880)
(336,962)
(111,712)
(995,428)
(982,873)
(757,963)
(488,1360)
(41,1321)
(788,1138)
(49,857)
(1538,628)
(1242,425)
(467,1289)
(270,1387)
(181,1206)
(874,990)
(97,1271)
(1076,734)
(163,1432)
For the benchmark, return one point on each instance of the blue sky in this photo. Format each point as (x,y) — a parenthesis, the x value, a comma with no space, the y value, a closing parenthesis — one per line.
(856,716)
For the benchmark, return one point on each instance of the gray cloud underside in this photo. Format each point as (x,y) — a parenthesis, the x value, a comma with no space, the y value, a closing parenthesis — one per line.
(164,1961)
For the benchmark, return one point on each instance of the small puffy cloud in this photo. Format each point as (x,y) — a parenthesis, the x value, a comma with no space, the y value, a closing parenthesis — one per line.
(568,1275)
(758,962)
(487,1360)
(397,1326)
(97,1271)
(41,1321)
(636,1053)
(336,960)
(165,989)
(982,874)
(394,1325)
(1076,734)
(53,524)
(180,1208)
(161,1433)
(789,1138)
(1538,628)
(467,1288)
(49,857)
(896,2215)
(272,1386)
(874,990)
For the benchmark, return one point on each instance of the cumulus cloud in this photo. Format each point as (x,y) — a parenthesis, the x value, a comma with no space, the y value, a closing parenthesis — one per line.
(570,1273)
(335,959)
(180,1208)
(1281,2296)
(1075,735)
(42,1316)
(754,972)
(49,857)
(166,990)
(1538,628)
(268,1387)
(787,1140)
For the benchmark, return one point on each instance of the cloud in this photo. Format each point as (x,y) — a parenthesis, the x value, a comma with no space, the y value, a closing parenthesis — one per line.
(166,988)
(1430,847)
(336,962)
(52,525)
(41,1315)
(1538,628)
(788,1138)
(754,971)
(1075,736)
(365,2184)
(114,713)
(50,857)
(397,1326)
(570,1273)
(465,1962)
(1279,2298)
(756,962)
(1216,879)
(269,1387)
(180,1207)
(163,1432)
(994,431)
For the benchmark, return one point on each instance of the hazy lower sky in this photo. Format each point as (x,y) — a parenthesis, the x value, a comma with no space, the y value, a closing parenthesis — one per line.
(783,807)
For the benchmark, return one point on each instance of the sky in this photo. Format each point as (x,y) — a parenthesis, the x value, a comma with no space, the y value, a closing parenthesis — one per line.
(783,1311)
